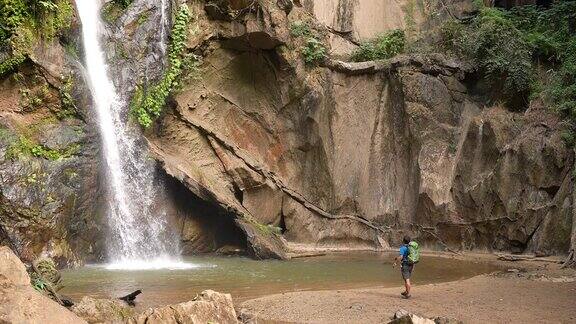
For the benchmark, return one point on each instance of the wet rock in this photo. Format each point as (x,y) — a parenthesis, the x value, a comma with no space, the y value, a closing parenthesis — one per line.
(102,310)
(208,307)
(48,165)
(19,302)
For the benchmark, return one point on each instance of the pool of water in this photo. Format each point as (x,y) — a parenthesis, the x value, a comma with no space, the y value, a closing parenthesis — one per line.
(245,278)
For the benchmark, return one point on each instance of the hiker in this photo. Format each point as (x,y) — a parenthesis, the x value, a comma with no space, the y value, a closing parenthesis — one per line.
(409,256)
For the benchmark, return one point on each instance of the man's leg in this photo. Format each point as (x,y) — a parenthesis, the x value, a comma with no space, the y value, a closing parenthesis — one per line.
(408,286)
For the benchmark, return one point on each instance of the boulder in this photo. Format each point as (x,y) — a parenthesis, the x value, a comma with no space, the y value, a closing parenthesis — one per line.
(101,310)
(411,319)
(20,303)
(208,307)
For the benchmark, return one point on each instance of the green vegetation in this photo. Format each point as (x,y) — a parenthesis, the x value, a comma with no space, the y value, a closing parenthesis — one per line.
(300,28)
(510,47)
(267,229)
(123,3)
(382,47)
(10,64)
(24,146)
(111,11)
(147,103)
(143,18)
(67,106)
(22,22)
(313,51)
(33,99)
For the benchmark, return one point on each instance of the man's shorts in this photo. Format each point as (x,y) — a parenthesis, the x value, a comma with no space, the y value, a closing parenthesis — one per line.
(406,270)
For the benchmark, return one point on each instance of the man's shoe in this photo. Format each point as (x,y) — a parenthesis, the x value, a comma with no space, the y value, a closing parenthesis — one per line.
(406,296)
(404,293)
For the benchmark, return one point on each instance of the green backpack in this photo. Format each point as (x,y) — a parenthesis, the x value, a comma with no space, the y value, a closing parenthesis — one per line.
(413,252)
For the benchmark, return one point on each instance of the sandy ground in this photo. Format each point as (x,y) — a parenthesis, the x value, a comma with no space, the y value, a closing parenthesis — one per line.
(537,293)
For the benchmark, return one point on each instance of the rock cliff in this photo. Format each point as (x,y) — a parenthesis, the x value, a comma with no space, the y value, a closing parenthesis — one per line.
(49,186)
(355,155)
(258,150)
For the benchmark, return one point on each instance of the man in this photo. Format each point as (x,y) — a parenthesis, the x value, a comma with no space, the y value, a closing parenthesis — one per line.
(406,267)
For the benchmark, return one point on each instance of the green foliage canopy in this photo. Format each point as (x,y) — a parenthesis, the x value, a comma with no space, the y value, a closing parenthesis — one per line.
(508,46)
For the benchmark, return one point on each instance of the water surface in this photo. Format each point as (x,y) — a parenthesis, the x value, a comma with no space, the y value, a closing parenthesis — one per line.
(245,278)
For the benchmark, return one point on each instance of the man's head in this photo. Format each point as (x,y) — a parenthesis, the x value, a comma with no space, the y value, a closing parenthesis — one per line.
(406,239)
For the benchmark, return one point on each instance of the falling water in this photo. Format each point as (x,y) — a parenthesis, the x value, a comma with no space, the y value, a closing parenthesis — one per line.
(139,235)
(163,23)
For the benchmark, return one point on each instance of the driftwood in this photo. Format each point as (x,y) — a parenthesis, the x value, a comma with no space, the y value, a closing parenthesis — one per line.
(130,298)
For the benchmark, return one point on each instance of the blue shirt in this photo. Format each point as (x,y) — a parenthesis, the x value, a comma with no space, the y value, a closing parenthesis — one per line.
(404,253)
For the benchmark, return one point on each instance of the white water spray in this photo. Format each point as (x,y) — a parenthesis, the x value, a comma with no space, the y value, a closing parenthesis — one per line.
(139,235)
(163,23)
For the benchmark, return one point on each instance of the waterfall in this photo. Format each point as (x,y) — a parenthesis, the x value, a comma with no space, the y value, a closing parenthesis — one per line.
(139,236)
(163,23)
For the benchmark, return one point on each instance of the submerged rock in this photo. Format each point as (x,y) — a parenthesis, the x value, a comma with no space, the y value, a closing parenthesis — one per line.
(208,307)
(20,303)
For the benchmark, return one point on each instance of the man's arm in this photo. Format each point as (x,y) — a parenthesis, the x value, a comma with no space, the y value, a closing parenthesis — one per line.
(397,259)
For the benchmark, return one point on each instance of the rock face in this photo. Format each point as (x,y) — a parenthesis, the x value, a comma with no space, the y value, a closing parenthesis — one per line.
(350,22)
(19,302)
(208,307)
(48,160)
(357,154)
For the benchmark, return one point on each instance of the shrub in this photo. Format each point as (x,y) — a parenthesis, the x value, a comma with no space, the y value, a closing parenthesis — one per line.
(147,104)
(123,3)
(507,45)
(382,47)
(313,51)
(562,90)
(300,28)
(498,48)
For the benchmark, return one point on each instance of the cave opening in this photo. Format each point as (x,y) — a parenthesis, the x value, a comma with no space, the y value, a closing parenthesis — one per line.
(203,226)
